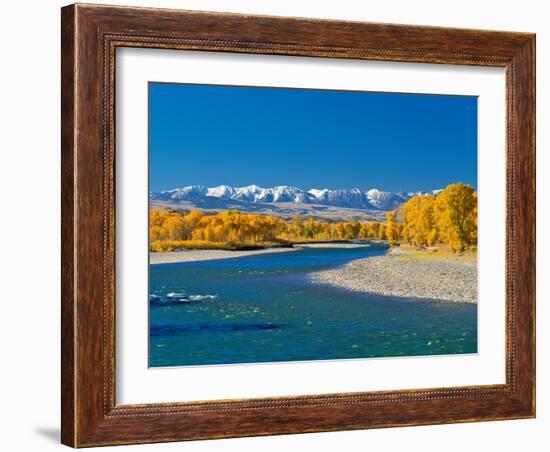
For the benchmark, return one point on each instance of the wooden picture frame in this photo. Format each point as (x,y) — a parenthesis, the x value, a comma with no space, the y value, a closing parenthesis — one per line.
(90,36)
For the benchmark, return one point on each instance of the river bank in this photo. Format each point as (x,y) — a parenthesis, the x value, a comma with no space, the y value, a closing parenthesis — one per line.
(172,257)
(196,255)
(409,274)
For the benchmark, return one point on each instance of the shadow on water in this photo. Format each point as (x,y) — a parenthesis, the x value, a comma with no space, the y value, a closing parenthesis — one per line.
(167,330)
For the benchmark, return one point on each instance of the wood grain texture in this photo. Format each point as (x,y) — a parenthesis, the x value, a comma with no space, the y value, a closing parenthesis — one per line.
(67,226)
(90,36)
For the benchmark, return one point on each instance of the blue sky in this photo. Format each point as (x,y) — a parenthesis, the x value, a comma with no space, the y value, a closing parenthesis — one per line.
(213,135)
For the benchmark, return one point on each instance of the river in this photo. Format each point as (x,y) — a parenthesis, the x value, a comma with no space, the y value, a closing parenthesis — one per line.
(264,308)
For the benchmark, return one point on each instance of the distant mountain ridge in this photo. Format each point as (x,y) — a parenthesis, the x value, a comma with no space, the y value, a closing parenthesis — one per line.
(354,198)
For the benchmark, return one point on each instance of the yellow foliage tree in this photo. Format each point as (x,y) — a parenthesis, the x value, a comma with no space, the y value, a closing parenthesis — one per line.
(450,217)
(418,218)
(455,212)
(393,229)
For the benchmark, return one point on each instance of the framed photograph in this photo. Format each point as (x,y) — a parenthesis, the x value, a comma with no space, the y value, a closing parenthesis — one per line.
(281,225)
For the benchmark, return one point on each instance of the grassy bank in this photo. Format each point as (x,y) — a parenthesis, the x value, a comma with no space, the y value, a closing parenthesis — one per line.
(182,245)
(162,246)
(433,253)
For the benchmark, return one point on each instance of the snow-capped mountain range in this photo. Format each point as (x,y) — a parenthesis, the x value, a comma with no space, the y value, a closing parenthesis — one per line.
(354,198)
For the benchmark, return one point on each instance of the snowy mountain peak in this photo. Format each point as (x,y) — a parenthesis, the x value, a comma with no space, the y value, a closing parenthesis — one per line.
(189,192)
(373,199)
(221,191)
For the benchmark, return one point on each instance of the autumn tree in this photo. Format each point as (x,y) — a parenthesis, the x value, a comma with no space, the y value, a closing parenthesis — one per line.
(455,212)
(393,229)
(419,223)
(381,233)
(450,218)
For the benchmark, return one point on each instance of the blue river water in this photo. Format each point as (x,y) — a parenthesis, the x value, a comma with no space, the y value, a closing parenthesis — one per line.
(265,308)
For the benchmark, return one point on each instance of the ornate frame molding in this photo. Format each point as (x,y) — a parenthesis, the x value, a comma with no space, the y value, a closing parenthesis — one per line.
(90,37)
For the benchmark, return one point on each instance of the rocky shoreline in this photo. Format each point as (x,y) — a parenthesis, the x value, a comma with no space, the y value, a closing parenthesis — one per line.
(447,280)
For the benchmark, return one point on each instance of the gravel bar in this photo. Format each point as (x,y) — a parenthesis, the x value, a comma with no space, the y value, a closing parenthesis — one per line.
(440,280)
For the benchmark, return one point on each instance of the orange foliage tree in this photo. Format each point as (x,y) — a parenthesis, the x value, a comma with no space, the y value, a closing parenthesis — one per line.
(424,220)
